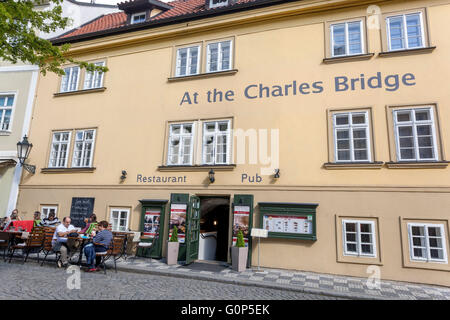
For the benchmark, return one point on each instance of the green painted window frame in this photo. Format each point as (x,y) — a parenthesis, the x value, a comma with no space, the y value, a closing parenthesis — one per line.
(292,210)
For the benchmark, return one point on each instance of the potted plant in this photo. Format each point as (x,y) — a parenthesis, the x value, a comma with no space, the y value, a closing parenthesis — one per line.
(172,247)
(239,254)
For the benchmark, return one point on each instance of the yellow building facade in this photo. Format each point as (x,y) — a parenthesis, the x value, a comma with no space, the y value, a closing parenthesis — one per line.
(343,106)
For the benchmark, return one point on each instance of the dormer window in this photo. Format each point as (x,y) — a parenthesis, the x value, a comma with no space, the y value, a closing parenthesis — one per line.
(138,17)
(218,3)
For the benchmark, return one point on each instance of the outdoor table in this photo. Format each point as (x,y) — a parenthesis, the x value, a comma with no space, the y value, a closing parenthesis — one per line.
(84,241)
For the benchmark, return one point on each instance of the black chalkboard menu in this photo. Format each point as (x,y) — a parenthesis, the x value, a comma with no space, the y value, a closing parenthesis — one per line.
(81,208)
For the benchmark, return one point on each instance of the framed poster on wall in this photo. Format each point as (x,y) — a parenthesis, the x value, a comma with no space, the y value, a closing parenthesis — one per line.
(178,219)
(289,220)
(152,218)
(241,221)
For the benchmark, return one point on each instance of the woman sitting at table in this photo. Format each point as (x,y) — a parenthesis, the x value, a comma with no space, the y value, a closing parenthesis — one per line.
(51,221)
(15,215)
(91,225)
(100,243)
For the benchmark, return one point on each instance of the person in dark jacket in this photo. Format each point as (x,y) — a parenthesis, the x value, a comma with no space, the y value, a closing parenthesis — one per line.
(100,243)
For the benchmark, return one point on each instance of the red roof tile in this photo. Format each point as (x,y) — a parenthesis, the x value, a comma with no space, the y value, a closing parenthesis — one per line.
(118,19)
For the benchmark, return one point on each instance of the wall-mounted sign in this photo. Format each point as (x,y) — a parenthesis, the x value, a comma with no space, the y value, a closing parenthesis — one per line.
(152,219)
(259,233)
(81,209)
(289,220)
(178,219)
(241,220)
(288,224)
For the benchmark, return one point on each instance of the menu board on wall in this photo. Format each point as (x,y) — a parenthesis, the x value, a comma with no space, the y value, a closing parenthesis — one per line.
(288,224)
(178,219)
(152,222)
(81,209)
(241,218)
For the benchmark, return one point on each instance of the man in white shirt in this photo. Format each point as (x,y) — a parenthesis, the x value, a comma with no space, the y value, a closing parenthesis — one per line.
(61,243)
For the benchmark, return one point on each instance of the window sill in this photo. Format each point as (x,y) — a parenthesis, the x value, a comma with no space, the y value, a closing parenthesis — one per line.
(227,167)
(358,57)
(353,165)
(67,170)
(418,165)
(406,52)
(204,75)
(70,93)
(5,133)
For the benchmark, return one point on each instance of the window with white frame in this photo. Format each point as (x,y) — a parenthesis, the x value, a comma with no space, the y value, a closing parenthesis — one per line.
(217,3)
(188,61)
(69,81)
(83,148)
(216,142)
(427,242)
(351,136)
(119,219)
(94,79)
(6,109)
(405,31)
(181,140)
(138,17)
(347,39)
(359,238)
(59,150)
(415,134)
(218,56)
(46,210)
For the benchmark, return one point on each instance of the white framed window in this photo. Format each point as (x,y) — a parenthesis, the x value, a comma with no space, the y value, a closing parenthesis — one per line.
(6,111)
(217,3)
(405,31)
(69,81)
(216,142)
(415,134)
(138,17)
(347,38)
(351,136)
(60,149)
(94,79)
(359,238)
(46,210)
(181,144)
(188,61)
(84,148)
(219,56)
(427,242)
(119,219)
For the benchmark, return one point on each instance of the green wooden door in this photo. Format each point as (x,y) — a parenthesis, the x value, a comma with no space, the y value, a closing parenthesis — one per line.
(245,201)
(193,230)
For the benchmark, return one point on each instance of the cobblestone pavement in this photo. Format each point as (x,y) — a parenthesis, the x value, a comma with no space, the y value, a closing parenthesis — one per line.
(30,281)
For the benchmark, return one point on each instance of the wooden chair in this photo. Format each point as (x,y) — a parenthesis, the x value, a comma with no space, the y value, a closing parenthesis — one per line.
(47,247)
(125,235)
(4,239)
(115,249)
(34,243)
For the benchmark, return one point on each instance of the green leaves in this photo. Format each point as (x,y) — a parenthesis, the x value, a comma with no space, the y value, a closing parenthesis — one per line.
(21,22)
(174,237)
(240,243)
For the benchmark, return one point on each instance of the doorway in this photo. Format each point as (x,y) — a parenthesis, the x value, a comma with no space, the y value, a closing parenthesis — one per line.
(214,228)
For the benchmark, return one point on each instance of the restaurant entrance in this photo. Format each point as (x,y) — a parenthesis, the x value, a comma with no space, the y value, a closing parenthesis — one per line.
(214,228)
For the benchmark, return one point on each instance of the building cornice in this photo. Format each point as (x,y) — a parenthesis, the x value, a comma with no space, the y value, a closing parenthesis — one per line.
(157,30)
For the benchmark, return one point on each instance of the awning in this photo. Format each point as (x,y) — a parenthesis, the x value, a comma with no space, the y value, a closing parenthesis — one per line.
(7,162)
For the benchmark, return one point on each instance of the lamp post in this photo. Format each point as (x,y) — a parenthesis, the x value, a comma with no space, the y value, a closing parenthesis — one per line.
(211,176)
(23,151)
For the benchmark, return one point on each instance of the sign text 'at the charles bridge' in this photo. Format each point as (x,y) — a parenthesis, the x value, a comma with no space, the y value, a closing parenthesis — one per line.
(390,82)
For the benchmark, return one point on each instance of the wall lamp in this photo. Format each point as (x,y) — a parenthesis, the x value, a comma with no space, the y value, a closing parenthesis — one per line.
(124,175)
(277,173)
(211,176)
(23,151)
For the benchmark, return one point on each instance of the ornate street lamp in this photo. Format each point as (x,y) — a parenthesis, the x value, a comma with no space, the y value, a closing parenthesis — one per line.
(23,150)
(211,176)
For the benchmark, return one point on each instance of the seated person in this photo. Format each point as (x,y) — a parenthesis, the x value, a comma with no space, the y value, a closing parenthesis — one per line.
(101,242)
(91,225)
(62,243)
(15,215)
(37,219)
(51,221)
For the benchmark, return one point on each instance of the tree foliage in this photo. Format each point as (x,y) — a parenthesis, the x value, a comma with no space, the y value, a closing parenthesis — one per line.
(21,21)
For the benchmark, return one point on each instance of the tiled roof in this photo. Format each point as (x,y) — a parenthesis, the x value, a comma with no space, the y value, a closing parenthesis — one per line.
(119,19)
